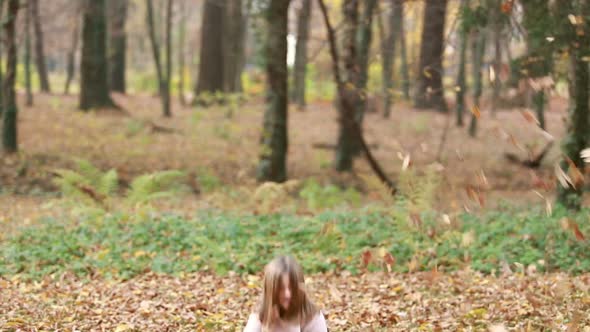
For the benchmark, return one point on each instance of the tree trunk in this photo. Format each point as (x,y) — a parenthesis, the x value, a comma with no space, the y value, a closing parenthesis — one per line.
(365,36)
(300,70)
(405,73)
(39,49)
(181,51)
(117,44)
(346,146)
(232,45)
(430,92)
(29,93)
(163,74)
(94,91)
(9,130)
(578,133)
(1,61)
(272,166)
(461,86)
(395,24)
(71,57)
(496,84)
(477,52)
(211,69)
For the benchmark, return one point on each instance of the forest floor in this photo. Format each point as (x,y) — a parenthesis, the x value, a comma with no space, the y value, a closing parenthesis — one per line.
(53,133)
(429,301)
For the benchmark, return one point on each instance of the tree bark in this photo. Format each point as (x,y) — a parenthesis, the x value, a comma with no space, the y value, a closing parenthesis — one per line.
(211,69)
(181,51)
(430,92)
(234,34)
(496,84)
(39,48)
(272,166)
(365,37)
(94,91)
(29,93)
(345,150)
(461,87)
(478,52)
(163,73)
(1,61)
(71,56)
(395,23)
(9,130)
(578,133)
(117,44)
(404,72)
(300,69)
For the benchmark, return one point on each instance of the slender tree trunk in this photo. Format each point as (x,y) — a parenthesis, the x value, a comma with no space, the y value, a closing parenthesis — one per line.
(232,45)
(300,70)
(496,84)
(211,63)
(29,93)
(404,72)
(345,149)
(117,44)
(1,61)
(461,86)
(39,48)
(395,17)
(478,52)
(430,92)
(71,57)
(163,73)
(242,50)
(578,133)
(94,91)
(272,166)
(181,52)
(9,130)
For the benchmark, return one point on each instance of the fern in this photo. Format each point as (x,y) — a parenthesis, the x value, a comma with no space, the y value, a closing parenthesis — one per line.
(109,183)
(153,186)
(89,172)
(418,192)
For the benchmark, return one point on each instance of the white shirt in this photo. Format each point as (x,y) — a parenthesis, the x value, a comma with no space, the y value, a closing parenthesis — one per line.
(317,324)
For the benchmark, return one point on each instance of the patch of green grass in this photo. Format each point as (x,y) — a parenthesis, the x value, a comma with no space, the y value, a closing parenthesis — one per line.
(121,245)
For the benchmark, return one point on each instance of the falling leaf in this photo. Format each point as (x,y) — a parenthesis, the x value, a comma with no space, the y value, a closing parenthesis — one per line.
(548,208)
(563,178)
(530,117)
(550,39)
(574,227)
(507,6)
(586,155)
(427,73)
(476,112)
(406,162)
(575,173)
(492,74)
(446,219)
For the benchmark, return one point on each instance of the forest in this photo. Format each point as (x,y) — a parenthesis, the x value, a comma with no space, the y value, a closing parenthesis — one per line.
(427,162)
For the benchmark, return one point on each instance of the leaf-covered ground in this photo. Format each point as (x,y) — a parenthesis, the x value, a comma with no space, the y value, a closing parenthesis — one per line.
(428,301)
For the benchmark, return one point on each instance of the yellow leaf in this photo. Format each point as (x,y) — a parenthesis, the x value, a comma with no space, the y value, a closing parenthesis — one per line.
(476,112)
(427,73)
(139,253)
(122,328)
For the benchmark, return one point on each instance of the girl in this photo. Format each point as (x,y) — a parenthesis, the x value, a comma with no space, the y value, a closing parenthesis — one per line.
(285,306)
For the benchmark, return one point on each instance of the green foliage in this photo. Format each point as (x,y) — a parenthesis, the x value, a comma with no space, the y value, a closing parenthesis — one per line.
(208,181)
(153,186)
(90,186)
(416,192)
(317,196)
(122,246)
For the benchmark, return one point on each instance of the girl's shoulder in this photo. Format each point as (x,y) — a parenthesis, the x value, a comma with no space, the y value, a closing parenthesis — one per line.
(316,324)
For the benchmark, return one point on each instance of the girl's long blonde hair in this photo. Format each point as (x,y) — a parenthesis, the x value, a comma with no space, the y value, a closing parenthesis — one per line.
(301,308)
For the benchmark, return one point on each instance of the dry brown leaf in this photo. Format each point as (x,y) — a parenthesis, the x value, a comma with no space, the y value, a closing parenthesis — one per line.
(475,111)
(586,155)
(530,117)
(366,258)
(563,178)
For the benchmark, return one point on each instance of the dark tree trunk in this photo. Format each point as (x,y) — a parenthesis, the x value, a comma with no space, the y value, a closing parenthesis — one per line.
(29,93)
(272,166)
(232,46)
(117,44)
(461,86)
(578,133)
(1,61)
(365,36)
(163,73)
(404,72)
(346,146)
(430,92)
(94,90)
(477,52)
(181,51)
(9,128)
(300,70)
(496,84)
(211,69)
(71,57)
(39,49)
(395,24)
